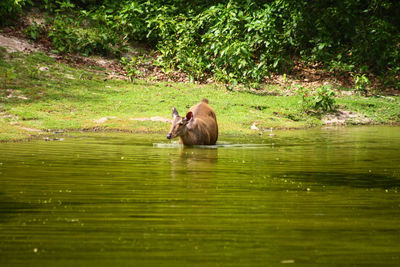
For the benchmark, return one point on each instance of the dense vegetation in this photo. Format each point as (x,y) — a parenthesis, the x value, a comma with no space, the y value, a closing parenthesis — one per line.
(236,41)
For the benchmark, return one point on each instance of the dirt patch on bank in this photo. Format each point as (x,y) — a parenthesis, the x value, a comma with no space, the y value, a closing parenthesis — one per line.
(14,44)
(155,118)
(343,117)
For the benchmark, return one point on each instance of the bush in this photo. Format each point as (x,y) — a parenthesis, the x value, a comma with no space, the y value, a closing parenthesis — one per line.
(361,83)
(34,31)
(243,41)
(235,41)
(9,10)
(323,99)
(353,33)
(132,67)
(70,35)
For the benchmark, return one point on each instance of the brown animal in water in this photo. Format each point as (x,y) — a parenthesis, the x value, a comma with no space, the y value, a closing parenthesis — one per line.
(198,127)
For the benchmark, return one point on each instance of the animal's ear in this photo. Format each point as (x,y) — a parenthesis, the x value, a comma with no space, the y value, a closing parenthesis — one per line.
(174,112)
(189,116)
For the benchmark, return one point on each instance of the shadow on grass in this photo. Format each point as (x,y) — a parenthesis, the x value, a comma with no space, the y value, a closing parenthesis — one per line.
(37,77)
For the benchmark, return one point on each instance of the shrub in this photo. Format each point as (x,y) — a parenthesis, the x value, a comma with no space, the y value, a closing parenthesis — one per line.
(131,66)
(361,83)
(34,31)
(235,41)
(9,10)
(323,99)
(69,35)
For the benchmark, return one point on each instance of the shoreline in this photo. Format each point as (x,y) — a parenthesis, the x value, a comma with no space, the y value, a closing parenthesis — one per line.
(60,135)
(41,95)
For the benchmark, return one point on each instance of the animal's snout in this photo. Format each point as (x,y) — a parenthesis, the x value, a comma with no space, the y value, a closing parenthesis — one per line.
(169,136)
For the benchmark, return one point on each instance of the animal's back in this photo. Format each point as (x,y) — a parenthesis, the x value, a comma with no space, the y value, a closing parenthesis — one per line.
(203,109)
(206,119)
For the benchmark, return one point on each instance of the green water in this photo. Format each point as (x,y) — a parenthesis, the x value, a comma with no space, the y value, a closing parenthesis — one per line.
(322,196)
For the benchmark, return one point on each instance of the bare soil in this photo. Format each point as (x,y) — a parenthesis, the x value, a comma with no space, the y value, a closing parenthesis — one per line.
(14,44)
(343,117)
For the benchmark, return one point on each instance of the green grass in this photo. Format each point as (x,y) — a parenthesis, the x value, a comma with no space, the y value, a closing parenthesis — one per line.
(69,98)
(380,109)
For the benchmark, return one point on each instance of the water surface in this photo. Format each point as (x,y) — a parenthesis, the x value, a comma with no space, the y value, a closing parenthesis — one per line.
(321,196)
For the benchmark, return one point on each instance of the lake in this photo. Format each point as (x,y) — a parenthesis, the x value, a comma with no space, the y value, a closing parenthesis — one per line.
(326,196)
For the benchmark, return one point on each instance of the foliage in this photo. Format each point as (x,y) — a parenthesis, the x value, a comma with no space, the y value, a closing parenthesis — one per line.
(360,33)
(233,41)
(243,41)
(305,101)
(361,83)
(69,36)
(9,9)
(322,99)
(34,31)
(131,66)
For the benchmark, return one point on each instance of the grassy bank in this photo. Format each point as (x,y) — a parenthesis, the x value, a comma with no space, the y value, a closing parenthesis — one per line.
(40,95)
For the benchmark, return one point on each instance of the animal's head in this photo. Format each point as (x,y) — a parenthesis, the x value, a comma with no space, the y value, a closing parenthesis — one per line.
(179,124)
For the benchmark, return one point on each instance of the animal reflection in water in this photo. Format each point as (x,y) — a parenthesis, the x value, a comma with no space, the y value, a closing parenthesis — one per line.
(195,162)
(198,127)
